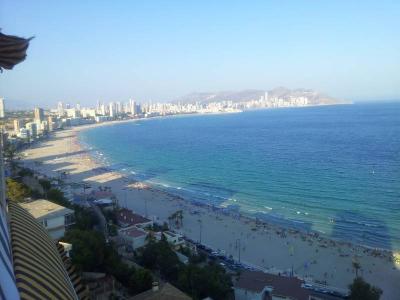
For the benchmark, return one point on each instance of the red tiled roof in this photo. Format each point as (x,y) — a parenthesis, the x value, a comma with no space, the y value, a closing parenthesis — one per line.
(102,194)
(133,232)
(282,286)
(126,216)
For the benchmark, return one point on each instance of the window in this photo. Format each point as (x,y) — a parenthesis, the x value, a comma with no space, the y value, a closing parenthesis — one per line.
(44,222)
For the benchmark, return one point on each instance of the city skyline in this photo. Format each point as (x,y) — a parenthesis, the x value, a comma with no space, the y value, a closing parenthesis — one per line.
(154,51)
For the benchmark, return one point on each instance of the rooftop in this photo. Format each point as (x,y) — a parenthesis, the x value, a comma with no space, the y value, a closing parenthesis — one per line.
(126,216)
(41,208)
(165,292)
(283,286)
(133,232)
(38,267)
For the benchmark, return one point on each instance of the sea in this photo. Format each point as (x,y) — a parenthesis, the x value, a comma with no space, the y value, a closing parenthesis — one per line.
(334,170)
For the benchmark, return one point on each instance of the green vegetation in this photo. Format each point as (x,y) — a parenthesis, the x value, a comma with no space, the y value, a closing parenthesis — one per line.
(91,253)
(46,184)
(89,249)
(25,172)
(11,155)
(17,191)
(176,218)
(156,227)
(159,256)
(356,266)
(361,290)
(199,282)
(57,196)
(85,219)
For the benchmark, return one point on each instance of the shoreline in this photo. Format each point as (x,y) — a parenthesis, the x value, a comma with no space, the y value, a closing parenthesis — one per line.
(249,216)
(288,224)
(310,250)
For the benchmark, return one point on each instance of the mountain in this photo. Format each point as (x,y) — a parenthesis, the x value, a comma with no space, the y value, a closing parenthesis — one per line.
(314,98)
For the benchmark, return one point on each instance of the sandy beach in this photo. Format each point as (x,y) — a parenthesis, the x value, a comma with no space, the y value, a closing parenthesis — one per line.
(263,245)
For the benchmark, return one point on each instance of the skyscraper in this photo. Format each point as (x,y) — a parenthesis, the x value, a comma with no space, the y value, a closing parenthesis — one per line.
(132,107)
(112,110)
(33,129)
(60,109)
(18,123)
(2,108)
(39,114)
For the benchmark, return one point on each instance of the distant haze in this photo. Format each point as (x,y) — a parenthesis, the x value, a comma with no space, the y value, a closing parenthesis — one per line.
(86,51)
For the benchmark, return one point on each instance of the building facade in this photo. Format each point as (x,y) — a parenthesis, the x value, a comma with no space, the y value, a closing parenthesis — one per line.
(54,218)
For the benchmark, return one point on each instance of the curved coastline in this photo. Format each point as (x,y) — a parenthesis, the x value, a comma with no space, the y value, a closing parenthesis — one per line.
(265,246)
(297,219)
(250,215)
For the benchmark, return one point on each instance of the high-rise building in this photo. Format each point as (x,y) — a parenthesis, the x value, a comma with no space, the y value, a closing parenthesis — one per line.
(2,108)
(18,124)
(39,114)
(112,110)
(118,107)
(60,109)
(33,129)
(132,107)
(103,110)
(31,264)
(51,123)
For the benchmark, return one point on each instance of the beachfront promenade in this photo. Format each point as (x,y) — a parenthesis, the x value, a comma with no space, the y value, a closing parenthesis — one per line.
(263,245)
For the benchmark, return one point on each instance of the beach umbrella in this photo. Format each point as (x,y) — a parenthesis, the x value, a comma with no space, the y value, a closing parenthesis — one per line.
(12,50)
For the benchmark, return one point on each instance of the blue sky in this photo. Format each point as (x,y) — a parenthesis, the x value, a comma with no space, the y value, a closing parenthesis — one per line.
(85,51)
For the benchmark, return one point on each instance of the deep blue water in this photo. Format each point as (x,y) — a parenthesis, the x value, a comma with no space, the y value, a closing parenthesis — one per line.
(333,169)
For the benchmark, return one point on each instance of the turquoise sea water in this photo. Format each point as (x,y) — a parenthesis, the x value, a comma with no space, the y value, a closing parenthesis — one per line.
(332,169)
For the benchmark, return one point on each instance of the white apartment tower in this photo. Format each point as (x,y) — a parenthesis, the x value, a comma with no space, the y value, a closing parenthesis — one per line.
(112,110)
(18,124)
(132,107)
(60,109)
(2,108)
(39,114)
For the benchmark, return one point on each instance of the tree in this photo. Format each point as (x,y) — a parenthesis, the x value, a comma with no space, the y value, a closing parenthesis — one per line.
(88,250)
(16,191)
(361,290)
(46,185)
(85,219)
(160,257)
(57,196)
(140,281)
(356,266)
(11,155)
(208,281)
(177,217)
(200,282)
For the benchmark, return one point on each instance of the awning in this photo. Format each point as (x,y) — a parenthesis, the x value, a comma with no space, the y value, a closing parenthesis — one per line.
(12,50)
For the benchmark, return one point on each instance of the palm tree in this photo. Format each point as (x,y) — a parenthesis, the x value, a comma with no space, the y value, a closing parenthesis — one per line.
(11,155)
(170,218)
(180,217)
(356,266)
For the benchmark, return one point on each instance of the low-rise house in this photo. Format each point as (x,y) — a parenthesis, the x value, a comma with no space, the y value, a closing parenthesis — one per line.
(182,258)
(164,292)
(133,237)
(175,239)
(105,203)
(256,285)
(127,218)
(55,218)
(99,194)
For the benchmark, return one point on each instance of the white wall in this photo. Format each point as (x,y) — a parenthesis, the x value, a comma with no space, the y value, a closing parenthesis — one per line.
(241,294)
(55,226)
